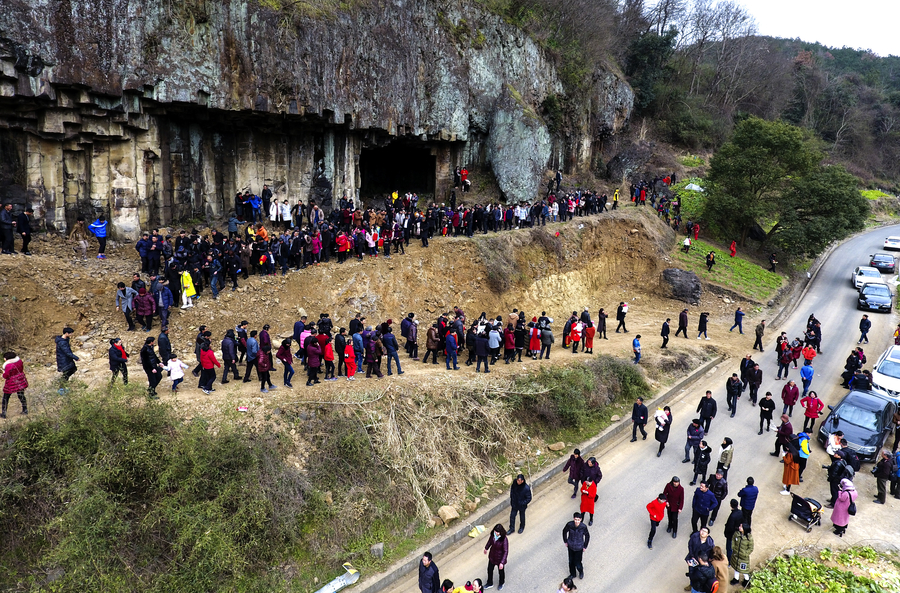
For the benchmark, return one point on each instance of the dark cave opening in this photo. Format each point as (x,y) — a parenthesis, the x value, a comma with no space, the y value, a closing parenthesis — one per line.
(397,167)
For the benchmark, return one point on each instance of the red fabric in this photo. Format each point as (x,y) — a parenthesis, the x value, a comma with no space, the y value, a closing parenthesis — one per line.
(329,352)
(535,340)
(121,350)
(589,337)
(733,248)
(208,359)
(657,509)
(587,497)
(14,373)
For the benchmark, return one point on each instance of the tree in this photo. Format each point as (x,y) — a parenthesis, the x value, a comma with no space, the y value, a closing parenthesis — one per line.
(825,205)
(769,175)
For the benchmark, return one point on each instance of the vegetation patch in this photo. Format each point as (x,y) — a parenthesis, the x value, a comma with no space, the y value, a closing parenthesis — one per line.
(691,161)
(736,273)
(854,570)
(692,201)
(874,194)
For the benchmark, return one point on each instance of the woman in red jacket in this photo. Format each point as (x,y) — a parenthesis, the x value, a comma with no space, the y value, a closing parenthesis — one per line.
(15,381)
(350,360)
(657,510)
(208,364)
(534,340)
(589,332)
(509,343)
(588,497)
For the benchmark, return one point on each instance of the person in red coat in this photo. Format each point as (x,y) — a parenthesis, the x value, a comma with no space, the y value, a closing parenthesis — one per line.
(497,550)
(575,336)
(534,340)
(589,332)
(350,360)
(509,343)
(789,395)
(588,497)
(733,248)
(656,508)
(15,381)
(208,363)
(674,492)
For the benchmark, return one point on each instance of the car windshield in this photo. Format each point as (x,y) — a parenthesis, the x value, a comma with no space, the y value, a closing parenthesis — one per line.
(870,273)
(890,368)
(876,290)
(862,417)
(883,259)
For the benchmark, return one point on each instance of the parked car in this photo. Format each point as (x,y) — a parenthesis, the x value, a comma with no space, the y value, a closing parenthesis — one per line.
(863,274)
(865,419)
(892,243)
(875,296)
(883,262)
(886,373)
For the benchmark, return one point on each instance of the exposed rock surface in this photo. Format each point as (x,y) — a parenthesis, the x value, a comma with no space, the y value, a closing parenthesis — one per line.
(153,111)
(682,285)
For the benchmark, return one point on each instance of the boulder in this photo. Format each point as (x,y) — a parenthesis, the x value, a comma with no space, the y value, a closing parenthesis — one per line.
(682,285)
(448,514)
(507,480)
(557,446)
(471,505)
(615,418)
(377,550)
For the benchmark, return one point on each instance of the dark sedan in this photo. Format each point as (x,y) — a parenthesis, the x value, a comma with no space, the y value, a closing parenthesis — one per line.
(865,419)
(875,296)
(883,262)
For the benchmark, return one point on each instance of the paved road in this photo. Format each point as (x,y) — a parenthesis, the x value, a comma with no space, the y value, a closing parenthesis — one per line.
(618,558)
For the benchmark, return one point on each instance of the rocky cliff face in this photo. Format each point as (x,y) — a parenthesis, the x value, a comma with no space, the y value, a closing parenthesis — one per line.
(157,110)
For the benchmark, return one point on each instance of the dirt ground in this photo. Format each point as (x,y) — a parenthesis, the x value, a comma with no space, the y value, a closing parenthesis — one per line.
(605,259)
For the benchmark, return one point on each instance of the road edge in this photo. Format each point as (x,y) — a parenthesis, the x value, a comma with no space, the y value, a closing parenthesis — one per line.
(442,542)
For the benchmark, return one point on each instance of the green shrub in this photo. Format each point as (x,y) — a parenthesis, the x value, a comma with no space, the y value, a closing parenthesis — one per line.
(122,495)
(570,397)
(874,194)
(692,161)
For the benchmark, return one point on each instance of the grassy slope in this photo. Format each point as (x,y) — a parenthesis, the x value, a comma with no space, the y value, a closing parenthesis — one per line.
(734,273)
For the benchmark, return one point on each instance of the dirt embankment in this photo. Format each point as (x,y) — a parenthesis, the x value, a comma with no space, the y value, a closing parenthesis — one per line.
(591,262)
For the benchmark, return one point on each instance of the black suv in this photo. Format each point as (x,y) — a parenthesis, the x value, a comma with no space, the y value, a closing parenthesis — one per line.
(865,419)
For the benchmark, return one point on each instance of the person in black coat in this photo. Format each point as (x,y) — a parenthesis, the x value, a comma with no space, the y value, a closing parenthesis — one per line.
(702,458)
(429,576)
(733,390)
(165,346)
(591,470)
(519,499)
(665,332)
(663,424)
(638,419)
(682,323)
(575,465)
(23,229)
(621,313)
(735,519)
(118,360)
(707,409)
(229,356)
(151,365)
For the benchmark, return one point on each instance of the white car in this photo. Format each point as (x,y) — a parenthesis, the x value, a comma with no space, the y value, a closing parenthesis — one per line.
(864,274)
(892,243)
(886,373)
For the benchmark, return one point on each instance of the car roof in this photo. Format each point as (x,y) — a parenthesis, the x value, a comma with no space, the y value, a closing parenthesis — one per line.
(864,398)
(893,353)
(892,238)
(883,255)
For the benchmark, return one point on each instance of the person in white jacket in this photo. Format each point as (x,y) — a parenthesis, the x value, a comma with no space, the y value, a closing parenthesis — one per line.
(176,370)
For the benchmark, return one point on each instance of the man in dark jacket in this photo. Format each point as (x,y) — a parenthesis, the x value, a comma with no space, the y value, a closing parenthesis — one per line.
(65,359)
(519,499)
(638,419)
(703,503)
(576,538)
(664,332)
(695,434)
(719,487)
(7,229)
(755,379)
(735,518)
(164,344)
(229,356)
(674,504)
(23,228)
(150,363)
(703,575)
(574,465)
(707,409)
(884,470)
(747,365)
(733,390)
(748,495)
(682,323)
(621,313)
(118,363)
(429,576)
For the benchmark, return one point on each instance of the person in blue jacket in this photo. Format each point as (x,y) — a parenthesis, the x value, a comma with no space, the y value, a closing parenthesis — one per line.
(143,248)
(100,228)
(748,495)
(450,344)
(738,321)
(704,501)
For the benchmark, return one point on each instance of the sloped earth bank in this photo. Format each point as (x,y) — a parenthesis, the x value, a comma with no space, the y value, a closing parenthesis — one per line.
(594,262)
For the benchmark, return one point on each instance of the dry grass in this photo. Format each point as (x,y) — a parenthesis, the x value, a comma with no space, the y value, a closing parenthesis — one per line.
(440,442)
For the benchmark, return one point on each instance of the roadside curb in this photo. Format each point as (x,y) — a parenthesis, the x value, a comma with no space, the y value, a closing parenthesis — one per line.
(443,541)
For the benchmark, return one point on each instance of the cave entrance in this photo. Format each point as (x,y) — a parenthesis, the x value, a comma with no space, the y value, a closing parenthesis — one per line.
(397,167)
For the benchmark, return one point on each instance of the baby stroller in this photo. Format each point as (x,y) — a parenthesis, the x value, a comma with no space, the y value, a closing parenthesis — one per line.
(805,511)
